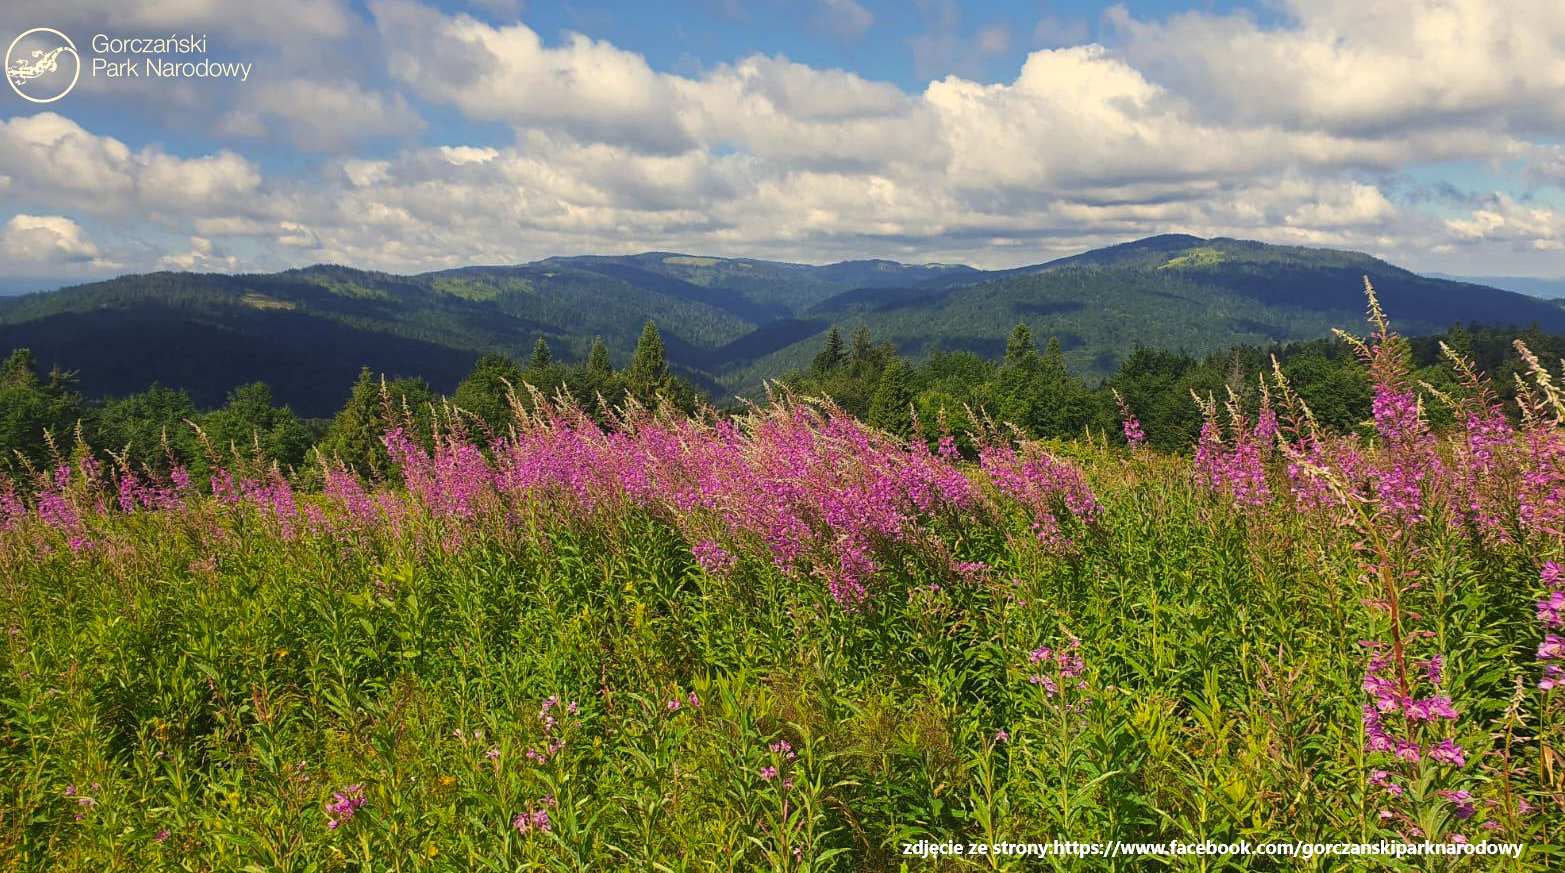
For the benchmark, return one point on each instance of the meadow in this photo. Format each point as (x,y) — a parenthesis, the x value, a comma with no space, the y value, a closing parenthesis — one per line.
(788,641)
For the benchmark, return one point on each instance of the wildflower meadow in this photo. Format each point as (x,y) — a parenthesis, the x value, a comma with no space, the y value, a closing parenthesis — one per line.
(785,640)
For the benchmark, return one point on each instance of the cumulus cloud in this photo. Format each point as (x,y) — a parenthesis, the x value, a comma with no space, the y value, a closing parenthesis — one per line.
(57,161)
(1354,67)
(587,87)
(1503,220)
(204,256)
(47,241)
(1082,145)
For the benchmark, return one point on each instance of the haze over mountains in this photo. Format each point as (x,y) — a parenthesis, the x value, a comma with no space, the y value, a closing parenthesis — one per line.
(1532,286)
(728,324)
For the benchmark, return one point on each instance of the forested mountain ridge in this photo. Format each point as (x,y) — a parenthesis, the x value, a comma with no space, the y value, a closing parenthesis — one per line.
(727,324)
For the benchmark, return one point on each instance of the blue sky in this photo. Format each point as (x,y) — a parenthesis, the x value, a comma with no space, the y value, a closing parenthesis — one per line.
(410,135)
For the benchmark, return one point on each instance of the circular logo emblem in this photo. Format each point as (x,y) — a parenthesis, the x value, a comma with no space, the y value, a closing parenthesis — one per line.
(42,65)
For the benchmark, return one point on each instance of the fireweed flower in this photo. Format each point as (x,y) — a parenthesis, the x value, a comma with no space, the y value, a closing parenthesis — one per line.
(1134,435)
(1448,752)
(1382,779)
(1551,614)
(1059,673)
(1239,472)
(818,493)
(532,821)
(713,558)
(344,805)
(1462,800)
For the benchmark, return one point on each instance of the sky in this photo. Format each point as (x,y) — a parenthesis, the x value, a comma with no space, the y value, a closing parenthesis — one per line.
(411,135)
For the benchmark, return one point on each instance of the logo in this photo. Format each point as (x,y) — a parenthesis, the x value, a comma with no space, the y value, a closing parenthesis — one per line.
(42,65)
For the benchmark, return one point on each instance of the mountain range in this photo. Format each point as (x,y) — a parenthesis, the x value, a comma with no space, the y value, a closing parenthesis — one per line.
(727,323)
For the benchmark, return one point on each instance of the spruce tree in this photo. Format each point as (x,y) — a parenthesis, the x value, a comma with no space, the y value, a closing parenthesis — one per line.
(30,406)
(1019,349)
(831,356)
(485,392)
(598,363)
(542,358)
(357,435)
(648,373)
(863,356)
(891,409)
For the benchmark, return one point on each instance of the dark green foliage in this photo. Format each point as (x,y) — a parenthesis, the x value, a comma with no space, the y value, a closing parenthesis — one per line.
(485,391)
(357,434)
(542,358)
(831,355)
(598,363)
(151,430)
(32,409)
(249,426)
(648,380)
(1337,390)
(1019,349)
(648,368)
(892,407)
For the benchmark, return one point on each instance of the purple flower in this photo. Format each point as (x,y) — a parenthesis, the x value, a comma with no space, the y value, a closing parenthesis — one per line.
(713,558)
(344,805)
(533,821)
(1382,779)
(1447,752)
(1552,648)
(768,772)
(1463,802)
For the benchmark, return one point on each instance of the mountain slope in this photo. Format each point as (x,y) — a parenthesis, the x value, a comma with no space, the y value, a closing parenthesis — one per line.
(1170,292)
(728,324)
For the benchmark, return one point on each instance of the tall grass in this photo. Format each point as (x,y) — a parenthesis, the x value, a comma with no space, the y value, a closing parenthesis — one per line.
(792,643)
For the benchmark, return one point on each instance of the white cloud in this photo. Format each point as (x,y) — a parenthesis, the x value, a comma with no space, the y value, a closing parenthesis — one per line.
(1351,66)
(1503,220)
(204,256)
(1200,123)
(587,87)
(56,161)
(47,241)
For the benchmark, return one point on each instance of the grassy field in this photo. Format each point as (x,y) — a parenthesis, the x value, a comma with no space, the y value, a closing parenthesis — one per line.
(790,643)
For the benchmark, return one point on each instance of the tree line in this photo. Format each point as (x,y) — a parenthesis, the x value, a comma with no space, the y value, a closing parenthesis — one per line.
(44,419)
(1033,390)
